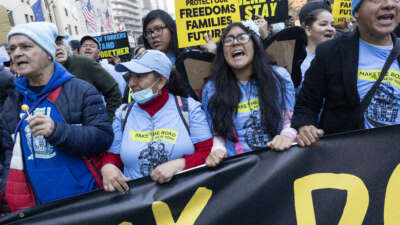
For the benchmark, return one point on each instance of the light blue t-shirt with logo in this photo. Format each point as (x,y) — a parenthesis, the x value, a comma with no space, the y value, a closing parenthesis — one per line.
(147,142)
(247,121)
(384,107)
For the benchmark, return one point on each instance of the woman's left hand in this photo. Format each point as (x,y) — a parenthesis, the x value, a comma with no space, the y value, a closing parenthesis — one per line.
(163,173)
(210,45)
(280,143)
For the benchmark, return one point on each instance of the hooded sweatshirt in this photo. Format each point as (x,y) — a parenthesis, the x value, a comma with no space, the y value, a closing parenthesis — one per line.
(53,174)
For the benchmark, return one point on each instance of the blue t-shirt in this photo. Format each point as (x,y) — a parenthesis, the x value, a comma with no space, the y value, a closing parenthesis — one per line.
(149,141)
(52,173)
(384,106)
(247,121)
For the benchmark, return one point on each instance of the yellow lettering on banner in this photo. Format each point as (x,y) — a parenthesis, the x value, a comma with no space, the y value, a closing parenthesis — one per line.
(392,76)
(194,18)
(111,52)
(391,211)
(189,215)
(341,10)
(245,107)
(126,223)
(357,197)
(159,134)
(262,8)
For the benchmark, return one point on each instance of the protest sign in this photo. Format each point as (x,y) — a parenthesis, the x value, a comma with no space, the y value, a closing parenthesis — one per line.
(274,11)
(347,179)
(341,10)
(194,18)
(113,44)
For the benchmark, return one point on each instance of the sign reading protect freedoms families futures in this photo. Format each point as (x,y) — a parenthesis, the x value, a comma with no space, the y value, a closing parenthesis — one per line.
(194,18)
(341,9)
(113,44)
(274,11)
(346,179)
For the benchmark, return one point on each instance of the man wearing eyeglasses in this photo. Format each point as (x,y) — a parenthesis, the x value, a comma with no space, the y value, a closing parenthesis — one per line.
(343,72)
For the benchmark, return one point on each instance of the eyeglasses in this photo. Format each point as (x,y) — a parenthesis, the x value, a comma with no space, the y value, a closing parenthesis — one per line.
(157,31)
(242,38)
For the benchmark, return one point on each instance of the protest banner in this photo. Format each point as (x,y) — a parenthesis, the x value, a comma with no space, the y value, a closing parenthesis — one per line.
(347,179)
(341,10)
(194,18)
(113,44)
(274,11)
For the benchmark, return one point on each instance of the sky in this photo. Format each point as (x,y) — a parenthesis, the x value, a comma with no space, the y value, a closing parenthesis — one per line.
(171,6)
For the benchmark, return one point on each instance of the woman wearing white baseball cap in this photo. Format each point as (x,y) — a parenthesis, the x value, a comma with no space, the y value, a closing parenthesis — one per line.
(159,134)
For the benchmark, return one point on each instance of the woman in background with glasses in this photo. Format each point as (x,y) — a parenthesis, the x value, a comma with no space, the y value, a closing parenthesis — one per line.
(248,101)
(159,32)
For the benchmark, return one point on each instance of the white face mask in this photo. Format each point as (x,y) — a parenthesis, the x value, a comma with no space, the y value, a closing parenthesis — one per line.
(144,95)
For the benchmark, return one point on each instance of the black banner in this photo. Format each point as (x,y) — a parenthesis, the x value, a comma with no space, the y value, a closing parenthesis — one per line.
(346,179)
(274,11)
(113,44)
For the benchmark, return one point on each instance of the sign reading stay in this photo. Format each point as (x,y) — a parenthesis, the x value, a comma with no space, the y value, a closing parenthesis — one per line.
(274,11)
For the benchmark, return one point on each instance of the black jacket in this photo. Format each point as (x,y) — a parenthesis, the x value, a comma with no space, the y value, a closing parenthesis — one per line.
(87,131)
(91,71)
(6,84)
(332,76)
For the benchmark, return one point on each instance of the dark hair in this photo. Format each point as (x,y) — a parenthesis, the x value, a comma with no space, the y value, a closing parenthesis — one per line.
(169,22)
(224,103)
(312,17)
(311,6)
(174,84)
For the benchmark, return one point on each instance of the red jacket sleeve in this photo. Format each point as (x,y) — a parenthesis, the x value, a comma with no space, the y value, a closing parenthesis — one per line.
(114,159)
(202,150)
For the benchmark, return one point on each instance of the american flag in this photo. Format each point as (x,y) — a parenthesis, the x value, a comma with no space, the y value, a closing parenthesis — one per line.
(89,17)
(107,24)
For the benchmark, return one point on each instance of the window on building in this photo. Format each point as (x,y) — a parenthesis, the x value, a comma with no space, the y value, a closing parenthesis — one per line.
(69,30)
(66,11)
(76,30)
(32,18)
(27,18)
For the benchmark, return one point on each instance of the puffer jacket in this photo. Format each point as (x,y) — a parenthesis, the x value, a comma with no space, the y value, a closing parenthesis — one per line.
(87,133)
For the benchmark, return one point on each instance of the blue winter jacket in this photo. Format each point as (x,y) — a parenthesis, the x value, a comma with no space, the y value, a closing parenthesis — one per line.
(86,132)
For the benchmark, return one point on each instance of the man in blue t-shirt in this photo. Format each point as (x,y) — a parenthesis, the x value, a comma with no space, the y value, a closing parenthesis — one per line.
(344,70)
